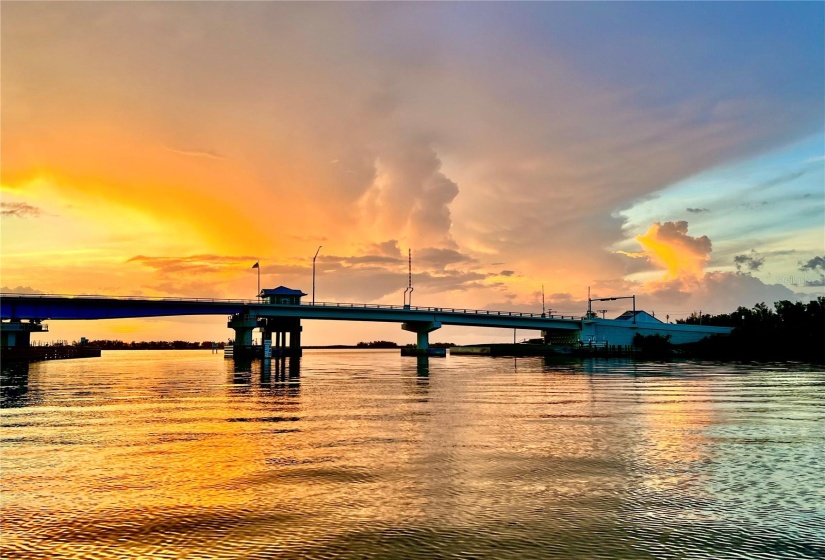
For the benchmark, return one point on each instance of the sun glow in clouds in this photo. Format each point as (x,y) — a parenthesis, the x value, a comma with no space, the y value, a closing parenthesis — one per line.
(668,246)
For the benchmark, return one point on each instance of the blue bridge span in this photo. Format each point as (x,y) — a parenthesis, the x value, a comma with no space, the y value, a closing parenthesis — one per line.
(278,314)
(278,319)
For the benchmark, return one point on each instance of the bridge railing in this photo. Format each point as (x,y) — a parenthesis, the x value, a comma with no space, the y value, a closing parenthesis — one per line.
(457,310)
(129,298)
(454,310)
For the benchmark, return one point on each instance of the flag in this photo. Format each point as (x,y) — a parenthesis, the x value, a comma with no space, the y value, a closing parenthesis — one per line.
(256,265)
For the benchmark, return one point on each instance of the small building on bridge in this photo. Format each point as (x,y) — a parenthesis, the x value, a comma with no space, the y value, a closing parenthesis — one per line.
(282,296)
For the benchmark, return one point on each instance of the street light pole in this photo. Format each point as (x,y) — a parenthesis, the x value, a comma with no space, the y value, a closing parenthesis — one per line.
(313,273)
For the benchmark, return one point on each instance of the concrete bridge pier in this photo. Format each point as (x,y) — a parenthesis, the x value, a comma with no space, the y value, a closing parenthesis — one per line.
(243,325)
(280,327)
(422,329)
(17,334)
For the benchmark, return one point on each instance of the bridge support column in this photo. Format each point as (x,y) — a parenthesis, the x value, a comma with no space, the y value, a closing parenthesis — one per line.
(422,329)
(280,327)
(17,333)
(243,325)
(295,341)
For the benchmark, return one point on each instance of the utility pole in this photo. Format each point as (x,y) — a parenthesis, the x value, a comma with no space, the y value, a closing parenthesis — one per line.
(543,309)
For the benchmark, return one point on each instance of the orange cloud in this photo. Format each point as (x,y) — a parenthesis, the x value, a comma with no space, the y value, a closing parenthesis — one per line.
(668,246)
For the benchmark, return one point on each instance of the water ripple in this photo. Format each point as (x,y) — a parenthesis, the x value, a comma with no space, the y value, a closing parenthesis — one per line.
(175,454)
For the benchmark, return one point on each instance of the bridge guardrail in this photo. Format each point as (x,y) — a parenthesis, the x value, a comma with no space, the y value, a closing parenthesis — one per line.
(444,310)
(303,304)
(129,298)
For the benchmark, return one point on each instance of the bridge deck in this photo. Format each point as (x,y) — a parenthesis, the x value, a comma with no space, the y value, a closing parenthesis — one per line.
(90,307)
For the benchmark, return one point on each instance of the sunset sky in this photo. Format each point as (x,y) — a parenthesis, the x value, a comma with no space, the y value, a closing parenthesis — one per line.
(675,151)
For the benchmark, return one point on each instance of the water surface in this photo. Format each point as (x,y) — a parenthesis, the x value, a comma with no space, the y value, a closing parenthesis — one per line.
(174,454)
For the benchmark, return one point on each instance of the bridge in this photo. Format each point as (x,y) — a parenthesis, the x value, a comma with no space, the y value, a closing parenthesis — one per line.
(278,314)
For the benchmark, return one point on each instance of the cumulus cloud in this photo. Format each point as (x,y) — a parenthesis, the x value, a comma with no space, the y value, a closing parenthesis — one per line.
(387,248)
(358,278)
(410,195)
(19,210)
(686,284)
(363,284)
(750,262)
(716,292)
(440,258)
(816,263)
(555,304)
(667,245)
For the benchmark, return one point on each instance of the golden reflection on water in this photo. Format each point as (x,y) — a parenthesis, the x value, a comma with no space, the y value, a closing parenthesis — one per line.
(369,455)
(676,415)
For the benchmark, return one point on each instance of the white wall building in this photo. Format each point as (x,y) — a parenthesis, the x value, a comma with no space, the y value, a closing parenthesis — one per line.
(621,330)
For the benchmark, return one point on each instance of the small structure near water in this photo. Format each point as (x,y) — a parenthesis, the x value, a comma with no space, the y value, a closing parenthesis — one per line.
(598,336)
(278,346)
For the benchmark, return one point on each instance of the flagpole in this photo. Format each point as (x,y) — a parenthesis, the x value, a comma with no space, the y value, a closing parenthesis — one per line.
(313,273)
(258,266)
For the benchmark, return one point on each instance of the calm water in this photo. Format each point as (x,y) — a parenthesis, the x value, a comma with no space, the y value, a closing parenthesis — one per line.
(369,455)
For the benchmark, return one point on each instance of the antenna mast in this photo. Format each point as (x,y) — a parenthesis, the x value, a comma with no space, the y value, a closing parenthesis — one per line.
(589,304)
(409,289)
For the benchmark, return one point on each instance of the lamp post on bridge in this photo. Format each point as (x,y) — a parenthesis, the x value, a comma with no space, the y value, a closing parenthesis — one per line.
(313,273)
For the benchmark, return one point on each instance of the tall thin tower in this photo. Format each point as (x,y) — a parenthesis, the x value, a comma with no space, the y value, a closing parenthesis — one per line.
(409,289)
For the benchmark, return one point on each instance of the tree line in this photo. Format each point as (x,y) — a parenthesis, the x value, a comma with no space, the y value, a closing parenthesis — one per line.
(151,345)
(388,344)
(786,331)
